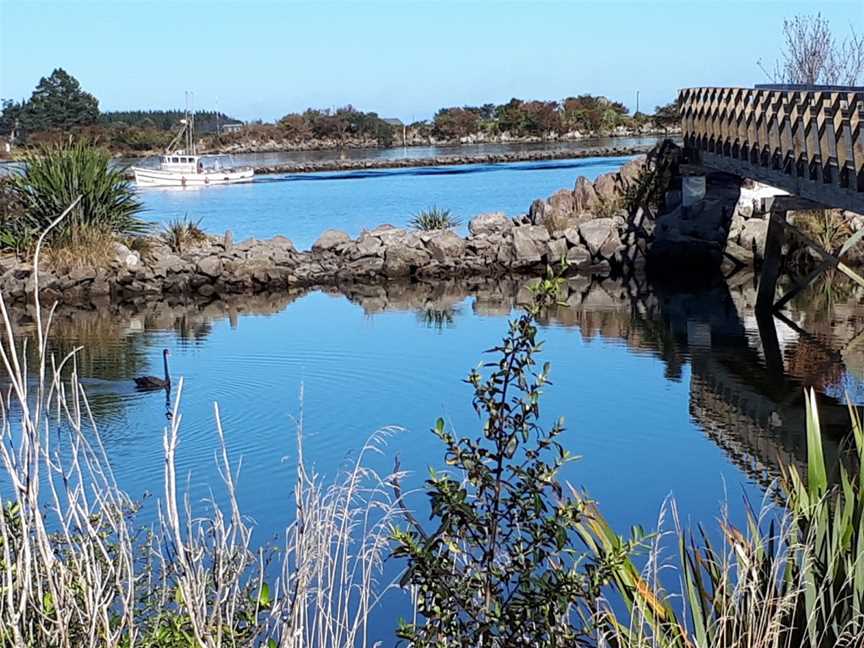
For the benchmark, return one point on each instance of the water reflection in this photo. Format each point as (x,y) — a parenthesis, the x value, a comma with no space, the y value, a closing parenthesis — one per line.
(744,375)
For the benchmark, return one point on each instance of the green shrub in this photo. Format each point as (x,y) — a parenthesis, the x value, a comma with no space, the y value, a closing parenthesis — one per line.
(502,568)
(52,177)
(434,218)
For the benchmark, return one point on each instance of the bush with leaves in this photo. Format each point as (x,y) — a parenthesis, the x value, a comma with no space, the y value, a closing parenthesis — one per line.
(501,568)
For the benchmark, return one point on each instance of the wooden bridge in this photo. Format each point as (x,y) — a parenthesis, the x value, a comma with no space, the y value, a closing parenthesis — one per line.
(807,141)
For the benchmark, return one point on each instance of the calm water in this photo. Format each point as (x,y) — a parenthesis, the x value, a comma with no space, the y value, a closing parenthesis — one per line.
(419,152)
(672,394)
(301,206)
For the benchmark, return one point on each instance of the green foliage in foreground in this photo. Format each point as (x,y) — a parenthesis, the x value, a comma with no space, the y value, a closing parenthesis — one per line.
(50,180)
(798,583)
(434,218)
(501,568)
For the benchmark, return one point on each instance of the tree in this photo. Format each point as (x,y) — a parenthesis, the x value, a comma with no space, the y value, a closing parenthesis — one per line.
(812,55)
(453,123)
(58,102)
(668,114)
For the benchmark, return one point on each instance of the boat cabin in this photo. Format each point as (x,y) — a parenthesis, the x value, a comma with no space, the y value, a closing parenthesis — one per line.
(181,163)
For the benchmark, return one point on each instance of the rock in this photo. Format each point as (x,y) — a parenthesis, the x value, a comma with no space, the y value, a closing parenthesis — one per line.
(526,250)
(537,211)
(578,256)
(584,196)
(556,250)
(739,253)
(606,188)
(630,172)
(571,235)
(329,240)
(403,261)
(560,210)
(494,223)
(368,246)
(596,232)
(536,233)
(446,245)
(283,243)
(210,266)
(753,236)
(389,234)
(125,257)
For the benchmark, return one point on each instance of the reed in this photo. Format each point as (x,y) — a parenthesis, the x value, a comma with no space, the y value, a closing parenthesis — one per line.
(75,570)
(791,578)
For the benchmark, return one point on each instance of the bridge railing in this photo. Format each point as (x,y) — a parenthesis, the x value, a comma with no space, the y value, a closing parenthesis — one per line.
(807,141)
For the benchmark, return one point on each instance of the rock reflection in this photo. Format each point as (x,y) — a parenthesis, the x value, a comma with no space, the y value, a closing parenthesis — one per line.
(746,375)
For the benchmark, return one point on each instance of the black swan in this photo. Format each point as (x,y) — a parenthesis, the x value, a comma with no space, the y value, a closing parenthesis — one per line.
(152,382)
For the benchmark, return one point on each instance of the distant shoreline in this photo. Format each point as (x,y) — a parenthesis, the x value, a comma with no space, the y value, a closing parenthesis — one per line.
(444,160)
(447,160)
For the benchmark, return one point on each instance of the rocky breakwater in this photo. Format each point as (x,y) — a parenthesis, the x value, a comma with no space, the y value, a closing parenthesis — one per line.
(561,228)
(447,160)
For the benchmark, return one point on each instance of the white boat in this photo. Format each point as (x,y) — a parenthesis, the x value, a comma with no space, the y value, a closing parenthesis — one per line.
(180,170)
(185,168)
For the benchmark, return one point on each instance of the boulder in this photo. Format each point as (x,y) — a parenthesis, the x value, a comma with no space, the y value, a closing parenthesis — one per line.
(578,256)
(126,258)
(526,250)
(584,196)
(210,266)
(446,245)
(596,232)
(329,240)
(556,250)
(494,223)
(402,261)
(630,172)
(606,188)
(368,246)
(281,242)
(562,206)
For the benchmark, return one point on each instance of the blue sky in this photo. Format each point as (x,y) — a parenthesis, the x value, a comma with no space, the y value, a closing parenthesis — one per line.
(262,59)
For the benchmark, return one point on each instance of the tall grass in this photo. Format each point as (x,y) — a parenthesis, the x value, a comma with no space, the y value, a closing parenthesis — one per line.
(76,571)
(434,218)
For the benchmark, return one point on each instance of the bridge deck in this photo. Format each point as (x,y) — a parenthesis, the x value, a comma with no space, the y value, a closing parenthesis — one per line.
(809,142)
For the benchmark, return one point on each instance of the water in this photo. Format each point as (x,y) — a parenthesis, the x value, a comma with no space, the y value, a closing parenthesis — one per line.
(301,206)
(272,158)
(673,394)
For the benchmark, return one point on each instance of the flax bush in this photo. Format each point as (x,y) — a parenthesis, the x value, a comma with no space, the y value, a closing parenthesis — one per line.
(51,177)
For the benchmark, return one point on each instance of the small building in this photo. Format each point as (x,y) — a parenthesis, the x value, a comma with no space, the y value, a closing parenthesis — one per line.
(232,128)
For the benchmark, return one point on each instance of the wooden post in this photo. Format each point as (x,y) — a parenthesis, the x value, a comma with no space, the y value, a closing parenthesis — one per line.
(771,265)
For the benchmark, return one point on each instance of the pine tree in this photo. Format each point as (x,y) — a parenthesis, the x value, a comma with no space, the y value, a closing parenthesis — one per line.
(58,102)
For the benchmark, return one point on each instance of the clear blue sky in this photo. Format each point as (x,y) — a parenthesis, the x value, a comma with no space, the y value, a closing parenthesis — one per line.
(262,59)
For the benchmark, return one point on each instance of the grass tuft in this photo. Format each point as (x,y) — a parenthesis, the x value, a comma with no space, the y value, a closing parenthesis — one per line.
(181,234)
(434,218)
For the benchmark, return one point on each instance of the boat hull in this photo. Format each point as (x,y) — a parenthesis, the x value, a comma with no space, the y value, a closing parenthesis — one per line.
(145,177)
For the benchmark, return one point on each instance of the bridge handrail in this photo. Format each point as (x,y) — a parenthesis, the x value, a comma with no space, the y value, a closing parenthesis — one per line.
(807,140)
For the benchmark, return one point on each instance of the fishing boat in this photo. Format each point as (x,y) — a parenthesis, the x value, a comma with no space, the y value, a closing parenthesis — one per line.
(183,167)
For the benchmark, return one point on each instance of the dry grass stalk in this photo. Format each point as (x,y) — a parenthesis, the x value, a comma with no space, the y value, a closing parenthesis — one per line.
(74,572)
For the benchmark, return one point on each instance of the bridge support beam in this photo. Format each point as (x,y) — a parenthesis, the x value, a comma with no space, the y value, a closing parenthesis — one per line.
(771,266)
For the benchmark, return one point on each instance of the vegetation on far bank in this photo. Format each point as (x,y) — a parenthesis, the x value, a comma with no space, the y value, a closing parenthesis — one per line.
(59,106)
